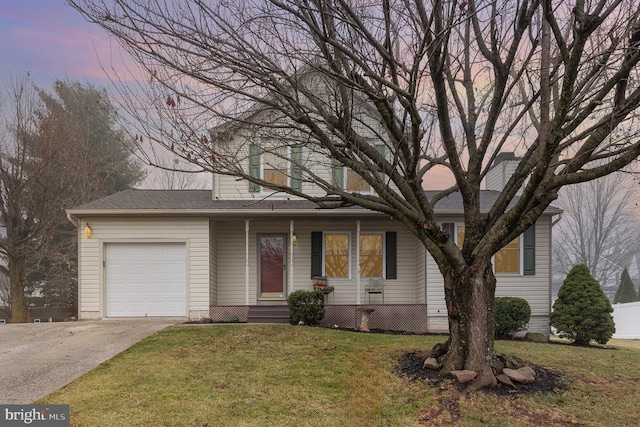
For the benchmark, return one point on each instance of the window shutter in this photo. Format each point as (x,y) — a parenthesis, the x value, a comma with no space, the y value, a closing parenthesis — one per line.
(382,149)
(337,173)
(316,253)
(391,254)
(254,167)
(451,228)
(296,171)
(529,237)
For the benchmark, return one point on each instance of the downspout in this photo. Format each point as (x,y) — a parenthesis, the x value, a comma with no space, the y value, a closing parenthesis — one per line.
(246,261)
(72,220)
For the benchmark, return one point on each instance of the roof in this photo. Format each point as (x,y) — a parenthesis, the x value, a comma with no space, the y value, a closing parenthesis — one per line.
(199,202)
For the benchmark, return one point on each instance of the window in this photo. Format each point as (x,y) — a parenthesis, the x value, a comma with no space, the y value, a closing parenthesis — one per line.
(275,166)
(507,260)
(371,255)
(330,254)
(278,165)
(336,254)
(355,182)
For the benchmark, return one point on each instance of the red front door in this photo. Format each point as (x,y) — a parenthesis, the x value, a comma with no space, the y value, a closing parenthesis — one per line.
(272,266)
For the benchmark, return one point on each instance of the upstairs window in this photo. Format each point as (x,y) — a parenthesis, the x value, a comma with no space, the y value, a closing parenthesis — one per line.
(279,165)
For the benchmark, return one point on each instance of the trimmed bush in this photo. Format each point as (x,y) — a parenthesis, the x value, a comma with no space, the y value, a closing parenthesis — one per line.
(582,311)
(512,315)
(626,290)
(306,307)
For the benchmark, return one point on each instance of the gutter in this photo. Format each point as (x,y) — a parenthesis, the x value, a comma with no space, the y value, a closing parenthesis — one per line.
(72,220)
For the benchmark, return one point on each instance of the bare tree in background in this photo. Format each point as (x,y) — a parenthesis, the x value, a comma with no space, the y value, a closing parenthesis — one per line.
(394,90)
(599,228)
(56,152)
(176,174)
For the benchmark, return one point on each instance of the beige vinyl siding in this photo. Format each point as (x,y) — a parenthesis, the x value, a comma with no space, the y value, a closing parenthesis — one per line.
(535,289)
(420,263)
(231,288)
(231,263)
(213,264)
(193,231)
(230,188)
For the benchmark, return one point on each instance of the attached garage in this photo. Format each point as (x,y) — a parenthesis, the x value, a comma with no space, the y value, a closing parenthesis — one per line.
(145,279)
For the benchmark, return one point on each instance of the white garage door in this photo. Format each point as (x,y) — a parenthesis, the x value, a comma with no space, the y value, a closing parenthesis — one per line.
(145,279)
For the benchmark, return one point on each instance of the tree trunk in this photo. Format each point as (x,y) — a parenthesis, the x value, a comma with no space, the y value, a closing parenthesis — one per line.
(470,302)
(16,286)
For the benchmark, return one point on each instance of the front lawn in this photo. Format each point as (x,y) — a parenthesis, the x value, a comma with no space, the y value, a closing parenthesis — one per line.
(280,375)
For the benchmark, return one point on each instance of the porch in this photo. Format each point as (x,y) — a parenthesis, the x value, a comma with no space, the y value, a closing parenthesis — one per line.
(410,318)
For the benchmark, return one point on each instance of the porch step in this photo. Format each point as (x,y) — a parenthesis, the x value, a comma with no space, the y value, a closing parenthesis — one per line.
(268,314)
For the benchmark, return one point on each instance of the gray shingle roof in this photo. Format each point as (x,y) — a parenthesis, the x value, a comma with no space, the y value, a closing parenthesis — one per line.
(194,201)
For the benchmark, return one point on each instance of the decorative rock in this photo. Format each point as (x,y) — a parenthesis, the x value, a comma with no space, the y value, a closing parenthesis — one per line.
(496,365)
(505,380)
(527,370)
(431,363)
(536,337)
(423,355)
(464,376)
(511,362)
(519,376)
(438,350)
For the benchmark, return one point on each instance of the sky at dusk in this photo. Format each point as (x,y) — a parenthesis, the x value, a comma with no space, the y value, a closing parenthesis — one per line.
(50,40)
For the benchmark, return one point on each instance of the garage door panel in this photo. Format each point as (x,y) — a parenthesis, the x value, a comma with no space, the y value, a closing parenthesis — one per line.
(145,279)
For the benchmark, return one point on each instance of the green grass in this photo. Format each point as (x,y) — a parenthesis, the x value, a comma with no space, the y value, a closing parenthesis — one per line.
(268,375)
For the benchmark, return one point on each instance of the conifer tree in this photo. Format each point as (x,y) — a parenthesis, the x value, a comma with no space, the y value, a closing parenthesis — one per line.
(582,311)
(626,290)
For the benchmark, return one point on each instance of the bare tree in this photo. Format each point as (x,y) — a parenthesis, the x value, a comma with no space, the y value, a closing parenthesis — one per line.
(176,175)
(393,90)
(55,153)
(598,228)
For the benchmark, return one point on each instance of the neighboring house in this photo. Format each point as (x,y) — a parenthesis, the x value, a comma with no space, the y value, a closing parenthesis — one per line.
(200,253)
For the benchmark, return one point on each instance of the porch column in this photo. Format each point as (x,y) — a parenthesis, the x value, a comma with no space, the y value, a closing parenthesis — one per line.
(246,260)
(357,261)
(290,269)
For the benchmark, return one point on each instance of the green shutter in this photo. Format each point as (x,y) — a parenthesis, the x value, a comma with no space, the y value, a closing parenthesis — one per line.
(316,253)
(337,173)
(391,255)
(296,170)
(382,149)
(529,237)
(254,167)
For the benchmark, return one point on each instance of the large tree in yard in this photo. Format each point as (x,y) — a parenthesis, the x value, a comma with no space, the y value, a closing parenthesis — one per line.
(57,151)
(397,91)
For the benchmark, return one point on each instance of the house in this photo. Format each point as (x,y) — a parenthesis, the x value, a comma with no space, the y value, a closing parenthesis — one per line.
(223,252)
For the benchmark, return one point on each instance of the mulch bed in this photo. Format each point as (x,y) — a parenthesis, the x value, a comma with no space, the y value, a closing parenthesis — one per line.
(547,380)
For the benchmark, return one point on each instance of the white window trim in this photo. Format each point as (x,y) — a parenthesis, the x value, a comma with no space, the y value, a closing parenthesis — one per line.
(266,191)
(520,255)
(384,254)
(344,182)
(349,251)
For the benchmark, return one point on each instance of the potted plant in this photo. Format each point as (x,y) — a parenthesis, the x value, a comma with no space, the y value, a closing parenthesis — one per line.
(319,282)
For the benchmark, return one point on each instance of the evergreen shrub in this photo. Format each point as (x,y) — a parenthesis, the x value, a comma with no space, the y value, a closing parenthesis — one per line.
(306,307)
(512,315)
(582,311)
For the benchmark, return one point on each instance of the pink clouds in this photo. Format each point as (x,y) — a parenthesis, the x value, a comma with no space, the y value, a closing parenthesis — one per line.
(51,40)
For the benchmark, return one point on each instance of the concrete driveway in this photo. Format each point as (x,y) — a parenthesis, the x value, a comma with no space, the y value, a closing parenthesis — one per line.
(39,358)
